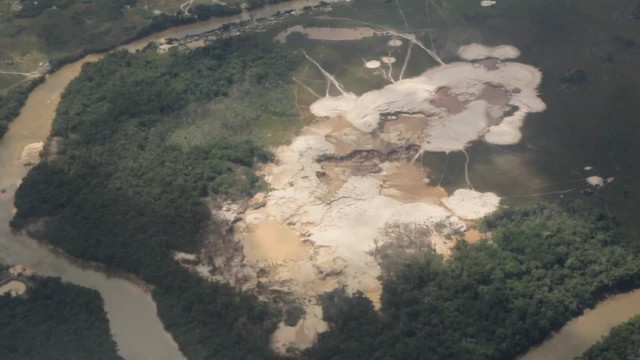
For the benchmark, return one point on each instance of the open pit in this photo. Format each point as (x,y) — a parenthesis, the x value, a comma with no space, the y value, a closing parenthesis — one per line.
(13,287)
(349,184)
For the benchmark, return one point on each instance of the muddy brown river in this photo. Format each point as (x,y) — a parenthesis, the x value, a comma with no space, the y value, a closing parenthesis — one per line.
(131,311)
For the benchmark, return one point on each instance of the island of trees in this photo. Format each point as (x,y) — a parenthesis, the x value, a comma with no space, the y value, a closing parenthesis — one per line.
(57,321)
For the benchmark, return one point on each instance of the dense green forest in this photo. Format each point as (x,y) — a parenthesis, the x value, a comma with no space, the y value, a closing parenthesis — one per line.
(140,157)
(55,321)
(12,100)
(493,299)
(622,343)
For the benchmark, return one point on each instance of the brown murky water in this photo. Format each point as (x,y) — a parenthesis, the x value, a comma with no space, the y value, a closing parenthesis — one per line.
(580,333)
(136,328)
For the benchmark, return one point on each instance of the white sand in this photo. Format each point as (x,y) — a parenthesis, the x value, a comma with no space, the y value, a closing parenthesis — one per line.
(20,270)
(470,204)
(13,287)
(388,59)
(486,3)
(372,64)
(452,132)
(333,105)
(394,42)
(595,181)
(477,52)
(31,153)
(338,218)
(177,255)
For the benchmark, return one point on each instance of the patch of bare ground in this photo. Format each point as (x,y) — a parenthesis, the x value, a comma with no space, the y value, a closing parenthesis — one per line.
(347,200)
(329,34)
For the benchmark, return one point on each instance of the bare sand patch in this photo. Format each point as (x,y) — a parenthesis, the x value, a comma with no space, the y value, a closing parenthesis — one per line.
(407,183)
(13,287)
(394,43)
(31,153)
(450,132)
(597,181)
(327,33)
(470,204)
(486,3)
(474,235)
(388,59)
(18,269)
(269,243)
(478,51)
(348,180)
(372,64)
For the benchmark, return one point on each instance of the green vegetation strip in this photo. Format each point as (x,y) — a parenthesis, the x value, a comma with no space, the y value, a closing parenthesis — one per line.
(55,321)
(147,139)
(623,343)
(494,299)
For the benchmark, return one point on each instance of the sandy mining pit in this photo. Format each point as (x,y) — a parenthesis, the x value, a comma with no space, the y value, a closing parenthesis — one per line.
(348,193)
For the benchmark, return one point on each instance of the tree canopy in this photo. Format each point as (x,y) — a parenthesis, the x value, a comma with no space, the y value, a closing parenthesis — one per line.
(57,321)
(137,162)
(494,299)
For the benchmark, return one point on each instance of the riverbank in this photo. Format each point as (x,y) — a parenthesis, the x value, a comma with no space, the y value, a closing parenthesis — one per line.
(131,312)
(64,309)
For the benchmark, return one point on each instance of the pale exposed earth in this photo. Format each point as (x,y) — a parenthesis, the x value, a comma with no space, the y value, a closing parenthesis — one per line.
(349,180)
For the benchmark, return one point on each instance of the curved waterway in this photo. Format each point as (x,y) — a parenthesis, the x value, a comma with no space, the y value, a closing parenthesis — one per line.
(582,332)
(130,309)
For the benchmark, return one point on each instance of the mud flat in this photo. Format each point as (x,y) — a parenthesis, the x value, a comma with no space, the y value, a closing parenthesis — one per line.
(329,34)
